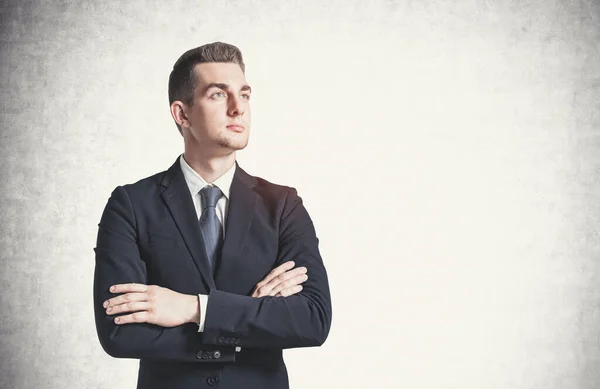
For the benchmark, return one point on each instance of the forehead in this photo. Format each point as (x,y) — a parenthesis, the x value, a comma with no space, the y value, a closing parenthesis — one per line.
(219,73)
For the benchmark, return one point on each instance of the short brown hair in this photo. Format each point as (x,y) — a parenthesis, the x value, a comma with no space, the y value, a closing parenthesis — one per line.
(182,80)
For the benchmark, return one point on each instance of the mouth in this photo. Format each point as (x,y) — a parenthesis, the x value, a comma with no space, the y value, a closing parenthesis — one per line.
(236,127)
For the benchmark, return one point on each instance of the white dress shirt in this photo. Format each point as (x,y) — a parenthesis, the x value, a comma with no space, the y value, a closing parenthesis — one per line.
(195,183)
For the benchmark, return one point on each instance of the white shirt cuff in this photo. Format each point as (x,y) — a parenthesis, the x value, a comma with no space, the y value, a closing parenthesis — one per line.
(203,301)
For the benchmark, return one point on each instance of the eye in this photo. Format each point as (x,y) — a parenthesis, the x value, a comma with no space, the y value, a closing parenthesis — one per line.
(217,95)
(246,96)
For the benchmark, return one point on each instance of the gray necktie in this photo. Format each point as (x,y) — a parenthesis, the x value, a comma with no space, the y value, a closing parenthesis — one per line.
(210,227)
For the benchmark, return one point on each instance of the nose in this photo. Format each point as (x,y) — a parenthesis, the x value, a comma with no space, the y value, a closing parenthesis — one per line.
(236,106)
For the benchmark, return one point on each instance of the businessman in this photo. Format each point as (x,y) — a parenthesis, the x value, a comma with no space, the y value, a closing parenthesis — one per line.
(204,272)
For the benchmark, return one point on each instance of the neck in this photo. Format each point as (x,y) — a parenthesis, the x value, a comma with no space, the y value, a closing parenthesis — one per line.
(209,167)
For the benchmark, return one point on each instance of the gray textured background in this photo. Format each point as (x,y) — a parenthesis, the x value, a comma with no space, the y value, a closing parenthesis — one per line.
(447,151)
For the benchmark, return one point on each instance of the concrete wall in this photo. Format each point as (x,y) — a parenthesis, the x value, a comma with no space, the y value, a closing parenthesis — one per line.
(448,152)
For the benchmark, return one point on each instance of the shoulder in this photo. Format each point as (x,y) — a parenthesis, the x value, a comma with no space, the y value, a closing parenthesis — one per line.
(268,189)
(145,185)
(140,189)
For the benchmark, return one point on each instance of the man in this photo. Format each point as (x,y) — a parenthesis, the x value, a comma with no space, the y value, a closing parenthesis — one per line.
(204,272)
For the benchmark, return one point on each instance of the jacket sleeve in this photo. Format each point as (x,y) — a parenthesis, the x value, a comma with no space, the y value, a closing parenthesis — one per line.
(118,261)
(301,320)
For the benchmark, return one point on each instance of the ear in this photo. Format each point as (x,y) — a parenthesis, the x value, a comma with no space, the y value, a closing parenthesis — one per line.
(178,112)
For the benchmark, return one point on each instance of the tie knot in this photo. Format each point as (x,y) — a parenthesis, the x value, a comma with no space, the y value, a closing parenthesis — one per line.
(210,195)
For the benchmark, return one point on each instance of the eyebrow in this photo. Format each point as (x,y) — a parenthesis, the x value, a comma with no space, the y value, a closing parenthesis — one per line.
(219,85)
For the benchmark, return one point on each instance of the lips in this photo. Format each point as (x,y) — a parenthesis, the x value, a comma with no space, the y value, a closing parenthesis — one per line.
(236,127)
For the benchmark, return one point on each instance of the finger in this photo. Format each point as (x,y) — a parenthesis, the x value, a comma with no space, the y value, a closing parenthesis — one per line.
(264,286)
(129,307)
(125,298)
(138,317)
(268,289)
(276,272)
(290,291)
(284,277)
(288,284)
(256,292)
(124,288)
(294,272)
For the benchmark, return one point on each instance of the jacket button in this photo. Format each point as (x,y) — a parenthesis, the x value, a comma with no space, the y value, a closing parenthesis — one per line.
(212,380)
(217,354)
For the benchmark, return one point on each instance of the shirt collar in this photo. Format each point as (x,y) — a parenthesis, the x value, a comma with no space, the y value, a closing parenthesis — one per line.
(195,182)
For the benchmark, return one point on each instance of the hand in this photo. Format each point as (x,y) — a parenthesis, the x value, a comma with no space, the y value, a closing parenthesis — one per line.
(152,304)
(281,281)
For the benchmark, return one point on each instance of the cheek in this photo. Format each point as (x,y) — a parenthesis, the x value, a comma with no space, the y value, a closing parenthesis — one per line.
(211,117)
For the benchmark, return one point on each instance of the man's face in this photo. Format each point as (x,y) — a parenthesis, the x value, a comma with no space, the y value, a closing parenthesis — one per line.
(219,119)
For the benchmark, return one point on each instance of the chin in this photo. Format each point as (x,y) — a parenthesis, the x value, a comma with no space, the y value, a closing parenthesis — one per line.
(236,141)
(236,144)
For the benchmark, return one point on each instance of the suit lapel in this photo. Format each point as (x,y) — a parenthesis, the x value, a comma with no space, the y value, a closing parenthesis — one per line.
(176,196)
(240,213)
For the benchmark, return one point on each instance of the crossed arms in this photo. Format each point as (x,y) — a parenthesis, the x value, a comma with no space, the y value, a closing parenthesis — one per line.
(167,331)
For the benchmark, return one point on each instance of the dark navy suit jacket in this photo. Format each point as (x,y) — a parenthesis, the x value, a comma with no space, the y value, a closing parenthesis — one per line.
(149,234)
